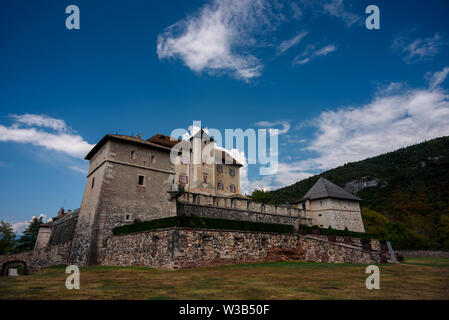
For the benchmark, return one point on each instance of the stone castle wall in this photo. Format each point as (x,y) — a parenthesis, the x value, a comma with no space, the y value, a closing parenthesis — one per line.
(177,248)
(192,204)
(63,229)
(40,258)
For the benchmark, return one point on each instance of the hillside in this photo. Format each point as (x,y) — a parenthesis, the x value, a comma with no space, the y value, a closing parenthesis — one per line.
(409,186)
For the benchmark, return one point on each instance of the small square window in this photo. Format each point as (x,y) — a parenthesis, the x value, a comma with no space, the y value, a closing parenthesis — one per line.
(183,179)
(141,180)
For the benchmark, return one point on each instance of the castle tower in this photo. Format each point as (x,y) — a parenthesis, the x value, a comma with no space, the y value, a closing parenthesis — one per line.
(128,178)
(329,205)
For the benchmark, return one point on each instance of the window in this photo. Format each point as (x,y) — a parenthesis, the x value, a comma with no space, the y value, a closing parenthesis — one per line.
(232,188)
(127,217)
(141,180)
(93,182)
(152,158)
(133,155)
(232,171)
(219,168)
(220,185)
(205,177)
(303,206)
(183,179)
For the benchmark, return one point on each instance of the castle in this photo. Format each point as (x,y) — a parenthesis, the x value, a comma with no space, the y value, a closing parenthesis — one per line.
(131,179)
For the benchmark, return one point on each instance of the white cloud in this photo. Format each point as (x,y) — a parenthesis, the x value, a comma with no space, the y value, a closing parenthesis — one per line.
(40,120)
(337,9)
(287,44)
(310,53)
(383,125)
(19,227)
(78,169)
(334,8)
(418,49)
(271,124)
(216,38)
(60,139)
(437,78)
(392,120)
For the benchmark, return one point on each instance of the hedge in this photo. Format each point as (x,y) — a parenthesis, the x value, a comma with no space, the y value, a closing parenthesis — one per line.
(202,223)
(364,237)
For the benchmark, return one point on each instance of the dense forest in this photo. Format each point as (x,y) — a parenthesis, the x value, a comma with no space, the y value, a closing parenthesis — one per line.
(405,192)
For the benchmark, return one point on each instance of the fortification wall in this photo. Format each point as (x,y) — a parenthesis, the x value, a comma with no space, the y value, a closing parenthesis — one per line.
(39,258)
(63,229)
(177,248)
(192,204)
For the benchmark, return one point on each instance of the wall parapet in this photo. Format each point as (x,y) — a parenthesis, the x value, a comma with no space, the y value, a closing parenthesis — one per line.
(238,208)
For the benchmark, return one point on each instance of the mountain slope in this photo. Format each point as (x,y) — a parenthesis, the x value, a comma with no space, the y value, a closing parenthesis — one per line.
(410,186)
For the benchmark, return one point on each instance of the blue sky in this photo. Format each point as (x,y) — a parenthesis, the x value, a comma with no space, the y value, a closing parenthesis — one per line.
(337,91)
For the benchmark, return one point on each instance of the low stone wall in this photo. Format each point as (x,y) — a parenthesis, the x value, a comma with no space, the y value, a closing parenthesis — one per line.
(424,253)
(39,258)
(177,248)
(191,204)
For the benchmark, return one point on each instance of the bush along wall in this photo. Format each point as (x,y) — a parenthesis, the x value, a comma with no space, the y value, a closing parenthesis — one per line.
(364,237)
(202,223)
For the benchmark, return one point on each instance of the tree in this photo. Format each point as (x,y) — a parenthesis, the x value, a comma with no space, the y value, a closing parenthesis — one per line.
(7,237)
(262,196)
(28,239)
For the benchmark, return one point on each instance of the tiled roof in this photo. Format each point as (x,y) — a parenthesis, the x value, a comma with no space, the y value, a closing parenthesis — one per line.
(130,139)
(323,188)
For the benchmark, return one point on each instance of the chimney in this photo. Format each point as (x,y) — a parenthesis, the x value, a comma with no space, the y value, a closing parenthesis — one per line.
(139,136)
(69,211)
(61,212)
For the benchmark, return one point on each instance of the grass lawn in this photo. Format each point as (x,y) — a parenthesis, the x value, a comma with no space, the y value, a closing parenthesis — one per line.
(416,278)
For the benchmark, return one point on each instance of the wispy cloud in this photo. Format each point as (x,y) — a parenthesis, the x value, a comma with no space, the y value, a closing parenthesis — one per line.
(217,37)
(78,169)
(415,50)
(310,53)
(287,44)
(392,120)
(285,125)
(437,78)
(29,129)
(335,8)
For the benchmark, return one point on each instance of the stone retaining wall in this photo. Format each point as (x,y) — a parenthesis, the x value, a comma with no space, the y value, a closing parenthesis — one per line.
(177,248)
(39,258)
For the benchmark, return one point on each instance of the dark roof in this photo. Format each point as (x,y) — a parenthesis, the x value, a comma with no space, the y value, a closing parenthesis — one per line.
(164,140)
(323,188)
(123,138)
(202,135)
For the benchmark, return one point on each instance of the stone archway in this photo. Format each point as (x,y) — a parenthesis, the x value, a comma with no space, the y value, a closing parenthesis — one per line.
(20,265)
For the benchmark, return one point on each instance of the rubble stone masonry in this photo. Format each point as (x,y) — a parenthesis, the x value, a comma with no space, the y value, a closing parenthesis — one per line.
(177,248)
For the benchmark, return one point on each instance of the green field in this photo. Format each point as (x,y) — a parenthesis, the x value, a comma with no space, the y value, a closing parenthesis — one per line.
(416,278)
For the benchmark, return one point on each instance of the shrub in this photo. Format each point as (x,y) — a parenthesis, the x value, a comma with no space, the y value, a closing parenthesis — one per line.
(202,223)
